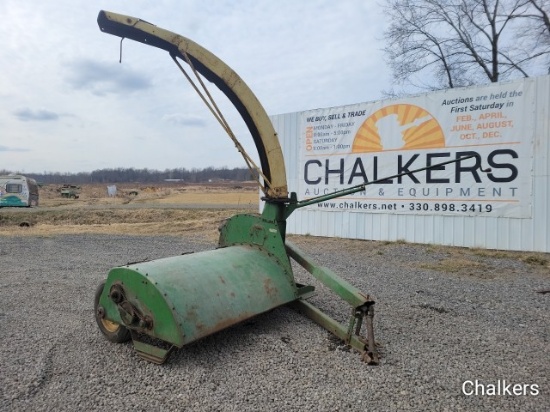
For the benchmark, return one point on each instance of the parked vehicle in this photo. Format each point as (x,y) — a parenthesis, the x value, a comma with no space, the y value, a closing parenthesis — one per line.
(18,191)
(70,191)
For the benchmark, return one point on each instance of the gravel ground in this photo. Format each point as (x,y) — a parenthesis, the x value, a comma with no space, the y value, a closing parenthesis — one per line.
(436,329)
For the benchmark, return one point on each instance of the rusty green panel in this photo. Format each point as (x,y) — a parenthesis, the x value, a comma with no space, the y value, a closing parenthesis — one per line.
(260,231)
(195,295)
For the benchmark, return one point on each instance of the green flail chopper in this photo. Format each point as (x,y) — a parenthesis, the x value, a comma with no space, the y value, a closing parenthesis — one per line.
(168,303)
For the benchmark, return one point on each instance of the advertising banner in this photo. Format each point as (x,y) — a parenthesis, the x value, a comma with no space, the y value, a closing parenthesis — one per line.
(346,146)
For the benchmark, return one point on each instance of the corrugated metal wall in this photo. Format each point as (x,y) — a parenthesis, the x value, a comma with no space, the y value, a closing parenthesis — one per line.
(469,231)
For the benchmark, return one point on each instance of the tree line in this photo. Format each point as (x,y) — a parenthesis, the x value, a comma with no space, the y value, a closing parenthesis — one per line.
(131,175)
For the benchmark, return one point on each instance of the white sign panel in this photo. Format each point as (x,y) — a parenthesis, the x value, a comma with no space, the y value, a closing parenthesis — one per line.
(346,146)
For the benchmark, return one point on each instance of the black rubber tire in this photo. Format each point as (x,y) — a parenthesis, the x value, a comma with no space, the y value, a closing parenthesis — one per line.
(112,331)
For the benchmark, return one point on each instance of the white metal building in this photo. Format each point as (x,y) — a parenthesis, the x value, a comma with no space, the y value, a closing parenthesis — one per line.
(506,125)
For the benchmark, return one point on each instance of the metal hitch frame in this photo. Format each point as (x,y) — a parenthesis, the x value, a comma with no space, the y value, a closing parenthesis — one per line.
(362,307)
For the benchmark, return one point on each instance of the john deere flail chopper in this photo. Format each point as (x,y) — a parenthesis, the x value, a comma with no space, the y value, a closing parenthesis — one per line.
(168,303)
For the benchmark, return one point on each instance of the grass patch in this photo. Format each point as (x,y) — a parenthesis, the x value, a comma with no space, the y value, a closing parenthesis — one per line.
(535,260)
(497,254)
(139,221)
(458,265)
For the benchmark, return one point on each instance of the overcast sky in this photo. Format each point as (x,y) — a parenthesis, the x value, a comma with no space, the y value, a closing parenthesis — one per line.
(67,105)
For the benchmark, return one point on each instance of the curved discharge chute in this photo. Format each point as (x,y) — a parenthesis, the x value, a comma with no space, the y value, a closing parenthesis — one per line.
(216,71)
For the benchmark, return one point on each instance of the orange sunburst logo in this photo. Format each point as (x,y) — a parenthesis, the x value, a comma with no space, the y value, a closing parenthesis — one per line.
(398,127)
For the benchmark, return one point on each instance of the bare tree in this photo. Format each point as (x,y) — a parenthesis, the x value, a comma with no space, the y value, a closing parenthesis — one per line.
(540,15)
(436,44)
(536,26)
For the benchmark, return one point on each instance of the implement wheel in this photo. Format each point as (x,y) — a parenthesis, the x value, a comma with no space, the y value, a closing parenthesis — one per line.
(112,331)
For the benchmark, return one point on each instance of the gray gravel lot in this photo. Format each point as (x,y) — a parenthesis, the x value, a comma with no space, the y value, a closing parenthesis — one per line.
(436,329)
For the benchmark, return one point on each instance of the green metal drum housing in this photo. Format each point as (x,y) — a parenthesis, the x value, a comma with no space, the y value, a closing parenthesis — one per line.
(184,298)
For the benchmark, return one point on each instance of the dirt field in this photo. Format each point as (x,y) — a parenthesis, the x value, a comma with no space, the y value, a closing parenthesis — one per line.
(166,209)
(235,193)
